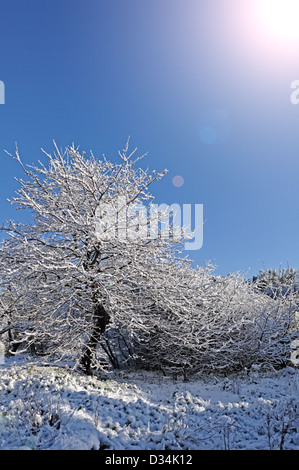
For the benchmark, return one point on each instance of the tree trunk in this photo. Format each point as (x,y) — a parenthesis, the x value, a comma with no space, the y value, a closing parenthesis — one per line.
(101,319)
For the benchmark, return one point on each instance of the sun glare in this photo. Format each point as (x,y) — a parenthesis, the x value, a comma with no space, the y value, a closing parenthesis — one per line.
(281,18)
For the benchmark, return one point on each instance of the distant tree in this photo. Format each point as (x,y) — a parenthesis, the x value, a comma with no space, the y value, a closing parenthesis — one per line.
(277,283)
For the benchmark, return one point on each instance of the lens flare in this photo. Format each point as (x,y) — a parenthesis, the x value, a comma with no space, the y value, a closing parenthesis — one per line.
(178,181)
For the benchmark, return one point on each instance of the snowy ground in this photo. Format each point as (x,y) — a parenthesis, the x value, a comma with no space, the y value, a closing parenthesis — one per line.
(53,408)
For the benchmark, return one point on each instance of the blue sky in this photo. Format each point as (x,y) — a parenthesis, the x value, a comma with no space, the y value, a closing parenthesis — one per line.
(203,86)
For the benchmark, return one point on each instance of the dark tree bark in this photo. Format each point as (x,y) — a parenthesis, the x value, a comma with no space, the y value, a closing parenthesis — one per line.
(101,319)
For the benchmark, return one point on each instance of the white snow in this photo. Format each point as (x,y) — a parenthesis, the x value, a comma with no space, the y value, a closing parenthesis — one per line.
(49,407)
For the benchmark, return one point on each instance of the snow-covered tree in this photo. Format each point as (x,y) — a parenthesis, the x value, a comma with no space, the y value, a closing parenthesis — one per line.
(78,266)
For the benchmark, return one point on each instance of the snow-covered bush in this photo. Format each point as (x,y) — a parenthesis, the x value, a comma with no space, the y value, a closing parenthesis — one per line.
(220,324)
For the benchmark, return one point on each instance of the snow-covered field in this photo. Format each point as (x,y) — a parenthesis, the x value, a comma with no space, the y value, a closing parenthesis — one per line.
(49,407)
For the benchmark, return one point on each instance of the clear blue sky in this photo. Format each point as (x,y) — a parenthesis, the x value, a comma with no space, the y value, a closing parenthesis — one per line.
(201,85)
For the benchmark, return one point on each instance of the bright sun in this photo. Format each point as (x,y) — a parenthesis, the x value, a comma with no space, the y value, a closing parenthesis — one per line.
(281,17)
